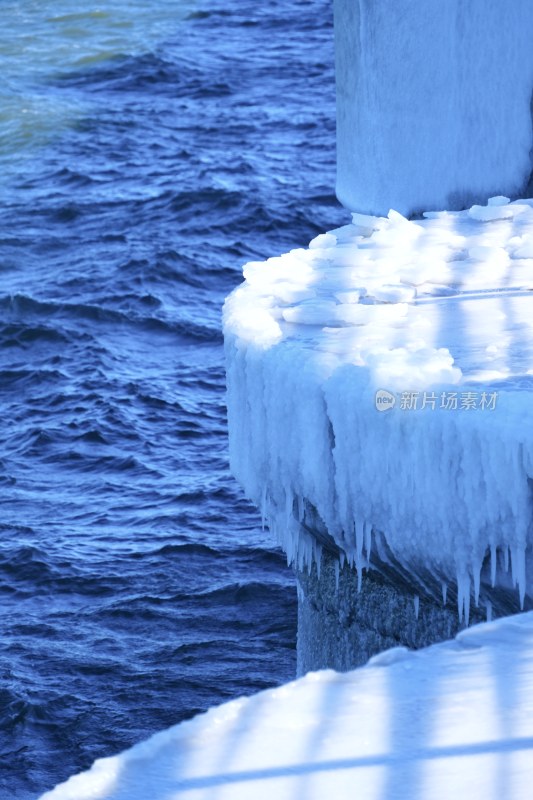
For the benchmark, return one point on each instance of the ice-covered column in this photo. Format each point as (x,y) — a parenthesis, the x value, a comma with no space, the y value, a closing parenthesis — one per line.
(380,381)
(433,102)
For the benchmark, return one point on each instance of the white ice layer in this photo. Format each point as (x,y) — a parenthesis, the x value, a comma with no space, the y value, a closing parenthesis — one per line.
(385,376)
(433,102)
(452,721)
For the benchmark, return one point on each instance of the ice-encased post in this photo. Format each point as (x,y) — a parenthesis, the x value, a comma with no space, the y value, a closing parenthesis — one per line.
(433,507)
(433,102)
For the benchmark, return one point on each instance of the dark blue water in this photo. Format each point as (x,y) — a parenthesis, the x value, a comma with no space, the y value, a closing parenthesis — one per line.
(145,155)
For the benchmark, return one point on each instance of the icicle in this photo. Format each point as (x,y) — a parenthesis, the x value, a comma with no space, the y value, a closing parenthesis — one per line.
(519,572)
(476,569)
(290,558)
(294,550)
(444,592)
(350,558)
(506,558)
(368,540)
(488,605)
(463,597)
(301,507)
(263,507)
(460,600)
(318,557)
(342,559)
(417,605)
(300,560)
(308,554)
(337,574)
(467,603)
(493,564)
(289,504)
(359,530)
(359,541)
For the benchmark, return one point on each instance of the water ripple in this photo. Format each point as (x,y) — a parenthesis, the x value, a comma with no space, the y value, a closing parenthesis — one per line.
(146,152)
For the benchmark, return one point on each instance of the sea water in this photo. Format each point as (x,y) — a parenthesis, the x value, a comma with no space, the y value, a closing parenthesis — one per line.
(147,150)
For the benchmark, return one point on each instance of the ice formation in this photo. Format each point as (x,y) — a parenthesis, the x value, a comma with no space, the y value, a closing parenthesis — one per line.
(433,102)
(383,378)
(454,720)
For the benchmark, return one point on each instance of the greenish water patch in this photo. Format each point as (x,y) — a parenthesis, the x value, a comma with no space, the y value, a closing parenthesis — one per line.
(37,48)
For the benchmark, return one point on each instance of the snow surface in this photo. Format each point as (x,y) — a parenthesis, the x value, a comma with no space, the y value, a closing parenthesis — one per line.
(452,721)
(433,102)
(384,377)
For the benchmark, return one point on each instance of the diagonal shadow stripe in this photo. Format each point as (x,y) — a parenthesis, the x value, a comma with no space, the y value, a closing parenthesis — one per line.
(505,746)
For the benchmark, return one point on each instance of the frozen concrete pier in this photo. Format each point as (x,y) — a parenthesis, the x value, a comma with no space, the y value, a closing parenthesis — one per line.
(380,380)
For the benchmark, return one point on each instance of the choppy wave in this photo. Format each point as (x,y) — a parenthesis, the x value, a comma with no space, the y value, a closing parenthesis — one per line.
(138,171)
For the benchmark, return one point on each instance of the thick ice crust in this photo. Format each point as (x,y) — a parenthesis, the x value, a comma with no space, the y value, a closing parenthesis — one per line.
(383,377)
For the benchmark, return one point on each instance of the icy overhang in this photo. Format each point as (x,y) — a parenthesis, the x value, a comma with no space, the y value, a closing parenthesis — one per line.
(433,102)
(383,378)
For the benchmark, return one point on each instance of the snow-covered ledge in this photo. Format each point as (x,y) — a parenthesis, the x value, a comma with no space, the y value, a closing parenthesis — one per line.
(455,720)
(379,382)
(380,390)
